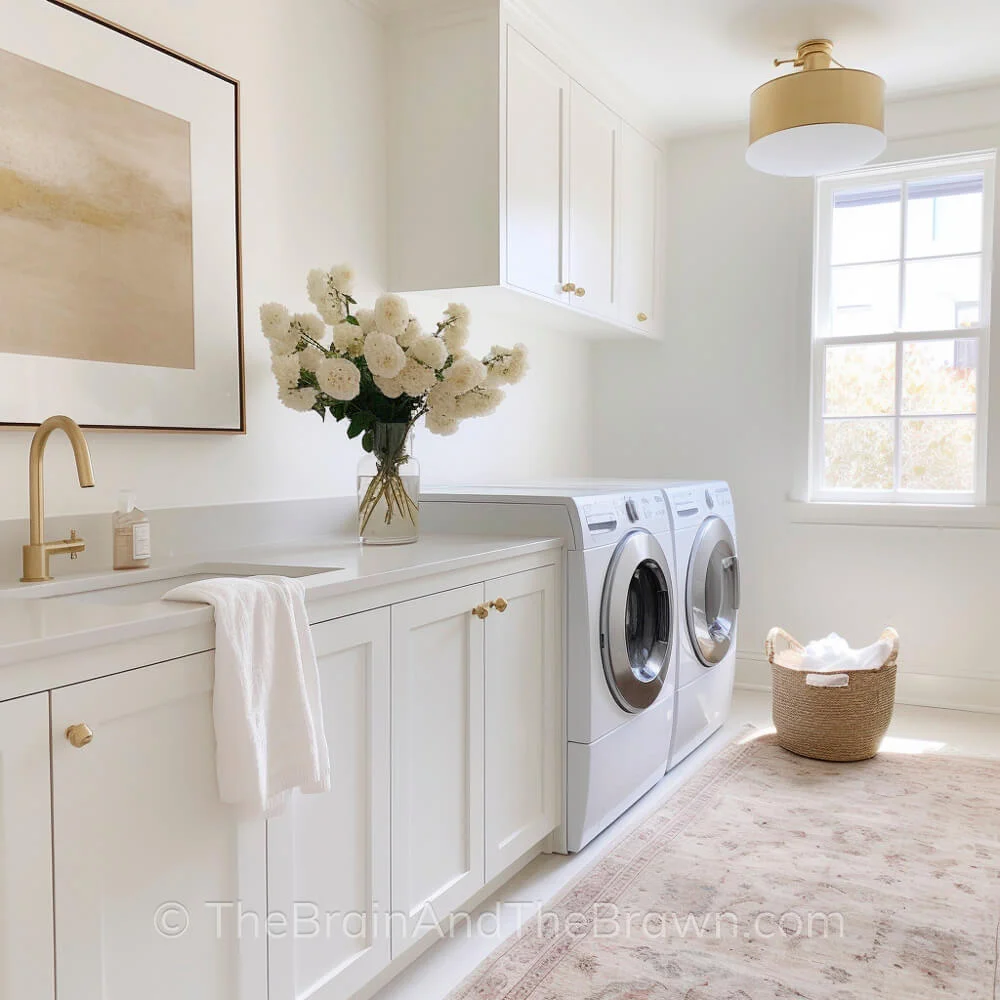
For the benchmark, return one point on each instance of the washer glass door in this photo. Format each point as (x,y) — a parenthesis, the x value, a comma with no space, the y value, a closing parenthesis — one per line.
(637,621)
(713,591)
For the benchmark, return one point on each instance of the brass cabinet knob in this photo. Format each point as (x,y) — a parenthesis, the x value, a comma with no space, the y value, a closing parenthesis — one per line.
(569,287)
(641,317)
(481,611)
(580,292)
(80,735)
(500,604)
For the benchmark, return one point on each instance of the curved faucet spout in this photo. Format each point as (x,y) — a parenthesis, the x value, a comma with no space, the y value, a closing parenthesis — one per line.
(84,468)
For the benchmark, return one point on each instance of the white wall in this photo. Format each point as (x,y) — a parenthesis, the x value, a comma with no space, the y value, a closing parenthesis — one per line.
(726,396)
(314,193)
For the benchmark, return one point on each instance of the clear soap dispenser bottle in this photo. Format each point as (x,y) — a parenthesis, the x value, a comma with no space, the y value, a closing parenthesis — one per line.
(131,534)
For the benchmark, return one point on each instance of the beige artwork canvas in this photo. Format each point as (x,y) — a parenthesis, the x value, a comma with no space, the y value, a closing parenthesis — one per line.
(95,223)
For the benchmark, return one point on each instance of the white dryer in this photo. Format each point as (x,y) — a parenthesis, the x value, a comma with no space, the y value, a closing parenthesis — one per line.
(708,572)
(622,613)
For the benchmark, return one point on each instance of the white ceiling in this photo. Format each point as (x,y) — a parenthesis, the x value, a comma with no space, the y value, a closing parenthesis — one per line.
(695,62)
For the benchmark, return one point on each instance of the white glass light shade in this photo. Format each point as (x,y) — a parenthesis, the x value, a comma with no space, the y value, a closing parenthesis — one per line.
(810,150)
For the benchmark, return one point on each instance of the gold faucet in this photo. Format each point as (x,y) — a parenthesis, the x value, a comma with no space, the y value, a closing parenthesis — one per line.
(36,554)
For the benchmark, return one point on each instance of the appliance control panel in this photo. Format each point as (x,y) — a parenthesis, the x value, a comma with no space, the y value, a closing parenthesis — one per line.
(686,504)
(712,498)
(648,508)
(603,515)
(719,498)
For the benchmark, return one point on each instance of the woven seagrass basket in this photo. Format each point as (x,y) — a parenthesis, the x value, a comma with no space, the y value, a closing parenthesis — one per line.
(830,723)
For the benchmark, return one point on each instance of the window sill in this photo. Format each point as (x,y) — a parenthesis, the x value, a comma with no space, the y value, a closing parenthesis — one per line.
(895,515)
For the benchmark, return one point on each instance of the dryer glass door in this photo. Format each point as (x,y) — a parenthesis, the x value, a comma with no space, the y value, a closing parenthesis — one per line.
(637,621)
(713,591)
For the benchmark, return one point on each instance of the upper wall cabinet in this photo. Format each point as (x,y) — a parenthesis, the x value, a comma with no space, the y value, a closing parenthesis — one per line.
(594,139)
(538,96)
(512,185)
(640,171)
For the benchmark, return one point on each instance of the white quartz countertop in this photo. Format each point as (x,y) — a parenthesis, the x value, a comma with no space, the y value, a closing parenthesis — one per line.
(38,621)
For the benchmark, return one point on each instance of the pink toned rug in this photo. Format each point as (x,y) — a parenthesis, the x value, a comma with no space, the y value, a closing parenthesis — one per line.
(769,877)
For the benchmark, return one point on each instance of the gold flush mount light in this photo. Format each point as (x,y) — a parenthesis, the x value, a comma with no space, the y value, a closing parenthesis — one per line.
(819,120)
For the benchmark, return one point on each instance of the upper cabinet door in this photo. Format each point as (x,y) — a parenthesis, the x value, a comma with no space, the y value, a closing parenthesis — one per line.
(158,883)
(536,124)
(329,854)
(437,760)
(595,137)
(26,961)
(640,204)
(523,731)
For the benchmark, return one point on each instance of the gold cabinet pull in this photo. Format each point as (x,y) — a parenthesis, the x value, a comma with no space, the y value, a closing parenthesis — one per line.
(481,611)
(80,735)
(500,604)
(642,317)
(569,287)
(580,292)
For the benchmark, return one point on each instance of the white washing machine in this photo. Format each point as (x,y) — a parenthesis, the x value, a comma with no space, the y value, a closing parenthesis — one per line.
(708,574)
(706,569)
(622,613)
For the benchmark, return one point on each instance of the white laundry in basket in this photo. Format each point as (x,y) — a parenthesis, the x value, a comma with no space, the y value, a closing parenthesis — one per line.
(832,655)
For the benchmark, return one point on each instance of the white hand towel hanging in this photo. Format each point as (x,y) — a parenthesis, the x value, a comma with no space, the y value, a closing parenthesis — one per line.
(269,734)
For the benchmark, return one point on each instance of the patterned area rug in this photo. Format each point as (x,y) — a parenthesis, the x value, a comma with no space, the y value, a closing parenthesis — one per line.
(769,877)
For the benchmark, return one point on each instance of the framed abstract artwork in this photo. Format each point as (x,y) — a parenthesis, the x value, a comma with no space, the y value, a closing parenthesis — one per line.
(120,283)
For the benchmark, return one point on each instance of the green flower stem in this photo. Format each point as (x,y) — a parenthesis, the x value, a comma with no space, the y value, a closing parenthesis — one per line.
(387,485)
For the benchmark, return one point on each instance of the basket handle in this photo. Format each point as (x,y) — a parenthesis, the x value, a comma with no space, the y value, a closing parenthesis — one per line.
(893,636)
(828,680)
(786,637)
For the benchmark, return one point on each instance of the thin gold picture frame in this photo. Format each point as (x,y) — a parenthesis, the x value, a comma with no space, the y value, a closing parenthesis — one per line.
(238,223)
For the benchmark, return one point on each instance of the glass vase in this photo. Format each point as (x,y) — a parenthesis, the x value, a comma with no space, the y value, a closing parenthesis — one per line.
(389,488)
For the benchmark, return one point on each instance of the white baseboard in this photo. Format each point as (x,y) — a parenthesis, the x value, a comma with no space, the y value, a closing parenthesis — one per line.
(963,694)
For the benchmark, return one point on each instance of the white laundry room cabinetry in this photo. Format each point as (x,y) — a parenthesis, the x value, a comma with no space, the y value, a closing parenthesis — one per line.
(513,184)
(123,875)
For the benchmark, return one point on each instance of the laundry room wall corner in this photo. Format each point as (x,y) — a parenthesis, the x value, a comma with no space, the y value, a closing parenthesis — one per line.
(725,395)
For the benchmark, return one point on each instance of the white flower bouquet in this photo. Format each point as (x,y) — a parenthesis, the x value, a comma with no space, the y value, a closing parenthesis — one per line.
(381,372)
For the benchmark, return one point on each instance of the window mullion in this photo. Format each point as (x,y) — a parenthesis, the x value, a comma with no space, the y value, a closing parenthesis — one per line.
(959,333)
(904,201)
(818,456)
(897,469)
(897,453)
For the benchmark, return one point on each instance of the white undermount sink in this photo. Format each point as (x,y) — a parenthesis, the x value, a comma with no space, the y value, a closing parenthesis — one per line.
(144,586)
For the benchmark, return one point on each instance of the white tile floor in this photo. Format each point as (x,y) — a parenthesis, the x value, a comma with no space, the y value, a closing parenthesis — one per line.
(449,961)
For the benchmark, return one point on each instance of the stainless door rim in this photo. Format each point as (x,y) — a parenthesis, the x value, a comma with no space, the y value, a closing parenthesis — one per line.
(634,690)
(714,544)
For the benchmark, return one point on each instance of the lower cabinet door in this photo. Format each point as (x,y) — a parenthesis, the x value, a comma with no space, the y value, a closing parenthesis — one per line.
(523,714)
(27,969)
(437,760)
(160,890)
(328,855)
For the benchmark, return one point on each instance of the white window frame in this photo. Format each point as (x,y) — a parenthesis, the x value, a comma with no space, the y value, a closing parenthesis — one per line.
(902,173)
